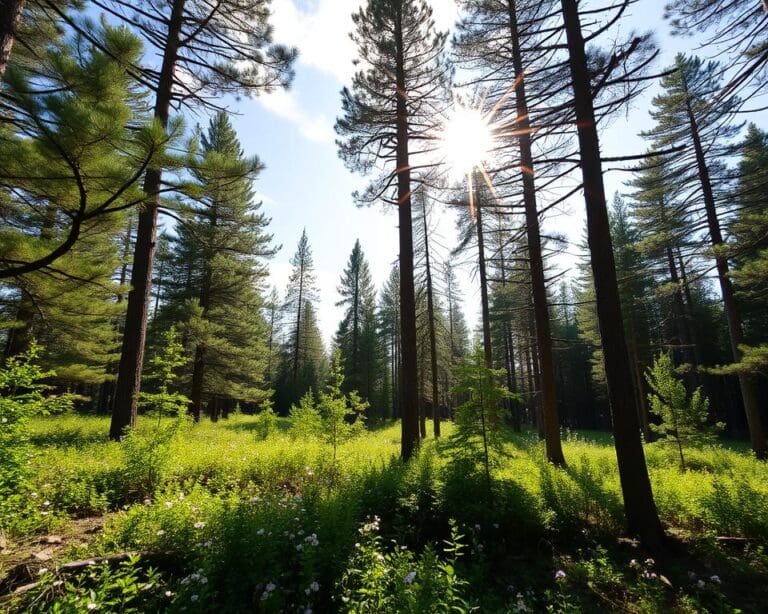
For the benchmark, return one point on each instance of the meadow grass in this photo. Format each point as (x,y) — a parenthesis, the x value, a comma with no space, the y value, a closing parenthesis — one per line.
(275,525)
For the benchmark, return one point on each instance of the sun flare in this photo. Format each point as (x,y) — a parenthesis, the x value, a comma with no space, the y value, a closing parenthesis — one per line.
(465,141)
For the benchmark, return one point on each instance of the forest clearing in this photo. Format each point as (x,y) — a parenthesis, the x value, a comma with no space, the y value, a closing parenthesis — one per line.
(382,306)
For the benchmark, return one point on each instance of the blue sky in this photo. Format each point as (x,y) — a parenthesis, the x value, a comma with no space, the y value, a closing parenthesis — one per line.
(306,185)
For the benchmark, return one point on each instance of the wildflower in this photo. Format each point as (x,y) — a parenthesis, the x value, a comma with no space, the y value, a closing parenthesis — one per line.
(477,527)
(41,571)
(495,525)
(199,524)
(160,533)
(650,562)
(410,577)
(357,545)
(260,532)
(716,579)
(91,605)
(299,547)
(380,557)
(169,593)
(194,598)
(315,587)
(147,501)
(254,499)
(700,584)
(634,564)
(270,587)
(181,496)
(511,588)
(559,574)
(46,503)
(169,504)
(33,495)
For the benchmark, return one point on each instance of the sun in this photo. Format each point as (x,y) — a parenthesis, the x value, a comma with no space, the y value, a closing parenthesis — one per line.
(465,141)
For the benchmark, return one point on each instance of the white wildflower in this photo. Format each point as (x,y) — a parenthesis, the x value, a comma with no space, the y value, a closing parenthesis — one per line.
(410,577)
(199,524)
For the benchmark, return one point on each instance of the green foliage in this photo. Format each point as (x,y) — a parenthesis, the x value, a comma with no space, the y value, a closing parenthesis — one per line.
(683,418)
(22,396)
(337,417)
(480,419)
(128,588)
(266,420)
(147,453)
(397,580)
(306,421)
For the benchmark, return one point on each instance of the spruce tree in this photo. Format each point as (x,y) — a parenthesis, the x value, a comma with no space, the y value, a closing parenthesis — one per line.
(356,337)
(223,245)
(392,103)
(303,361)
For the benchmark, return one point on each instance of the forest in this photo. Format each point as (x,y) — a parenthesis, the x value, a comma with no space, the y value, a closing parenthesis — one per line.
(510,420)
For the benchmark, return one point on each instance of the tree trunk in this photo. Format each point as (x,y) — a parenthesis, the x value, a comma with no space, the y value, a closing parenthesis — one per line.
(132,355)
(409,386)
(487,348)
(536,260)
(431,322)
(735,328)
(10,17)
(639,506)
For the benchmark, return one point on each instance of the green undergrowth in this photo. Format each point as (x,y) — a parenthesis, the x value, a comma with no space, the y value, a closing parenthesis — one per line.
(243,523)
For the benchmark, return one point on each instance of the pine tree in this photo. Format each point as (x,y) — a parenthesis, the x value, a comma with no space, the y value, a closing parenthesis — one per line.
(684,114)
(70,170)
(206,49)
(391,104)
(640,508)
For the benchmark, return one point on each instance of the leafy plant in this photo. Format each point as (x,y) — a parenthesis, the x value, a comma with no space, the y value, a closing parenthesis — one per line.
(147,452)
(266,420)
(397,580)
(683,419)
(337,417)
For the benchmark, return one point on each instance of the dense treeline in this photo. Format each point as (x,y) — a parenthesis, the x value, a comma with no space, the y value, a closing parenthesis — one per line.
(94,148)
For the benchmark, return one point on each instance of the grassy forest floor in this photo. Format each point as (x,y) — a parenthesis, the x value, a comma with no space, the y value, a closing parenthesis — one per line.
(224,520)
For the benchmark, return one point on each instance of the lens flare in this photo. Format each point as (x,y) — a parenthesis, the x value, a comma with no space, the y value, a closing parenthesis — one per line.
(466,141)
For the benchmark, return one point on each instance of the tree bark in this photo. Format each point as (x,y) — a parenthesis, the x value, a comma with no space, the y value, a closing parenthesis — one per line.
(639,506)
(487,347)
(431,322)
(10,17)
(409,386)
(735,328)
(132,355)
(538,283)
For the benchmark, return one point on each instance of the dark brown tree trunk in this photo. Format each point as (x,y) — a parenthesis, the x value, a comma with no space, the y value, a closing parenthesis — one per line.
(548,394)
(639,506)
(431,322)
(132,355)
(735,328)
(409,385)
(10,17)
(487,348)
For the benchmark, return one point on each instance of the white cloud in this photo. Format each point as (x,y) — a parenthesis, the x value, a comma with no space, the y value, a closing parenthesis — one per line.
(314,127)
(320,29)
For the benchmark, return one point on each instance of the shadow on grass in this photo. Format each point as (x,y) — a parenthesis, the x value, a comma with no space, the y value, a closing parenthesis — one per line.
(67,437)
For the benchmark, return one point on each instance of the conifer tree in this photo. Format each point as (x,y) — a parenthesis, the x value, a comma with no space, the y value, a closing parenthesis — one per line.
(69,170)
(392,104)
(640,508)
(223,245)
(389,327)
(303,354)
(356,337)
(206,49)
(685,114)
